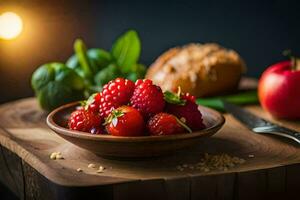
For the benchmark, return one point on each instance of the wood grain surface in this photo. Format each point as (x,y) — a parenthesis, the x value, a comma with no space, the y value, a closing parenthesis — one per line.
(25,166)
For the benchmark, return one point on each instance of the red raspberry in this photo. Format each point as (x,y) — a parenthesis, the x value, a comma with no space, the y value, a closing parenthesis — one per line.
(114,94)
(164,124)
(93,103)
(147,98)
(189,97)
(84,120)
(188,113)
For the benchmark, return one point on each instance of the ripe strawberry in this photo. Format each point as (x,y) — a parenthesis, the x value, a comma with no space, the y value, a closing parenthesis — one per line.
(185,108)
(114,94)
(125,121)
(84,120)
(165,124)
(147,98)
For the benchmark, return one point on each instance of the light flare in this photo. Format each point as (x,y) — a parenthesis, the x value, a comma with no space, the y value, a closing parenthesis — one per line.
(11,25)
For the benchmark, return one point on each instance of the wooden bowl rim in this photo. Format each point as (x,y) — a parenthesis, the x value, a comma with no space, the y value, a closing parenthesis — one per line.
(110,138)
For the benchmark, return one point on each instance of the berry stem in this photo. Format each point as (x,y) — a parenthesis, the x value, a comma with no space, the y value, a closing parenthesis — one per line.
(183,125)
(179,91)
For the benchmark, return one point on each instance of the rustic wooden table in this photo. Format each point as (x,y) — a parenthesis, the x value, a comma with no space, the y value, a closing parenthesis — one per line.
(25,166)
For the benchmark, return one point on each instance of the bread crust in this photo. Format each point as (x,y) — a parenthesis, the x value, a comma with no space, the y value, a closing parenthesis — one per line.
(200,69)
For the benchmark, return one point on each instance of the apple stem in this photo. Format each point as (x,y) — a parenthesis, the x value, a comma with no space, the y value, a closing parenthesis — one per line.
(295,64)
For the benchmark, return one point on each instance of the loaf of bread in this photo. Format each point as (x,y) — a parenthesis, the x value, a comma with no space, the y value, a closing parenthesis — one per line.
(200,69)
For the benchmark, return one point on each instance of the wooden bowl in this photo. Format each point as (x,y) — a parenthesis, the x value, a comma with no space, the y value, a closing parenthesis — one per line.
(131,147)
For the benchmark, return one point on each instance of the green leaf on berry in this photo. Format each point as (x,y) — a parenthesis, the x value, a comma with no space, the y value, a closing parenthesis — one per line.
(114,121)
(173,98)
(117,113)
(89,101)
(113,117)
(82,103)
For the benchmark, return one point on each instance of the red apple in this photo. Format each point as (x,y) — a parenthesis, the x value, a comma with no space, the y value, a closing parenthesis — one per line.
(279,90)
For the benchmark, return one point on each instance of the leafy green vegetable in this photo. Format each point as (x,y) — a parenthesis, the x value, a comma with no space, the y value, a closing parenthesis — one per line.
(80,50)
(98,58)
(56,94)
(42,76)
(105,66)
(138,72)
(242,98)
(107,74)
(126,50)
(56,84)
(87,71)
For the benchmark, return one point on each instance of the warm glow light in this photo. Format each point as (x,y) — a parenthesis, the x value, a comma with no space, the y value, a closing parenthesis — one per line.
(11,25)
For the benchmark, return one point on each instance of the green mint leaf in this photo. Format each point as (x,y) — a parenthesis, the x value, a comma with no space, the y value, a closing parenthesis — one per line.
(126,50)
(172,98)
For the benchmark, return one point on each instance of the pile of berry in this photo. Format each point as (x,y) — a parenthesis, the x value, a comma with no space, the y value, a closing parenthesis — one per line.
(125,108)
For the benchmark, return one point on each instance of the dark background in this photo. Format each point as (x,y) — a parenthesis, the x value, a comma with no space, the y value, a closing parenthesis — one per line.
(258,30)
